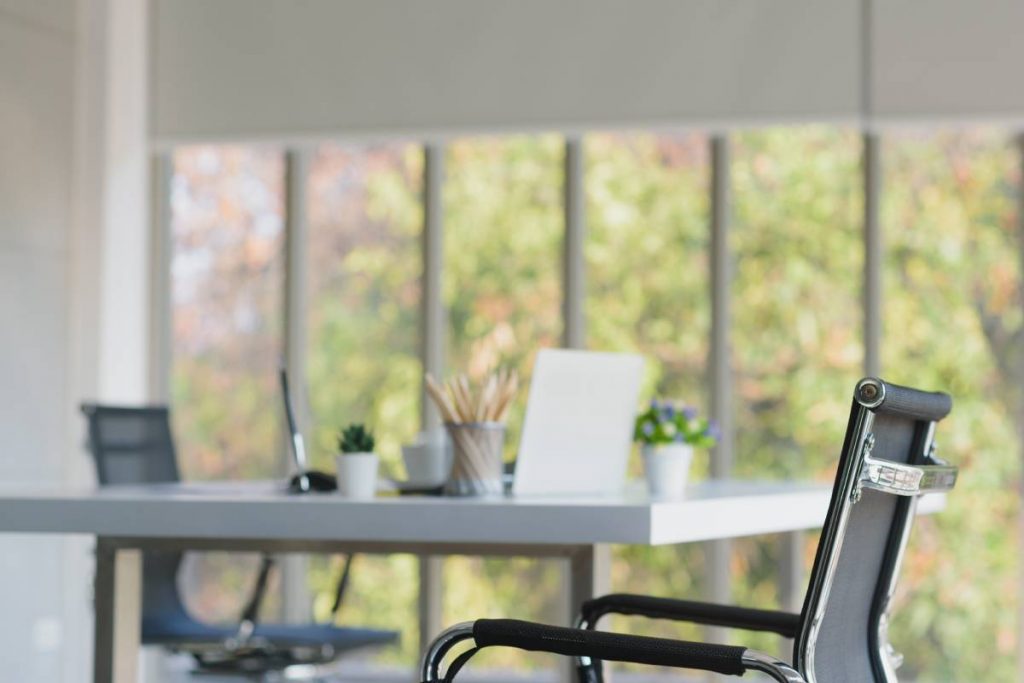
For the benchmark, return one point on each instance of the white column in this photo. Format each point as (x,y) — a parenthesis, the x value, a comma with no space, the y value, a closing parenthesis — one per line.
(109,258)
(124,216)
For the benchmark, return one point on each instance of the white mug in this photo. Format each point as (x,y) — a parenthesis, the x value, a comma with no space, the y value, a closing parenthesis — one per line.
(428,461)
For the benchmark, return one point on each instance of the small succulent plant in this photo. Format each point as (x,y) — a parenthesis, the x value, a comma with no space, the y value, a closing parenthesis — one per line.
(356,438)
(664,422)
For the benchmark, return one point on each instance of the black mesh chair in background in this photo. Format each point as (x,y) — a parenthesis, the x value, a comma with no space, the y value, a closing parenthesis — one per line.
(135,446)
(887,461)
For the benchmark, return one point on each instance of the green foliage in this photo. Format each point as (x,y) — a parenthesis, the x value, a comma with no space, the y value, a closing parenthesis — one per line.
(356,438)
(664,423)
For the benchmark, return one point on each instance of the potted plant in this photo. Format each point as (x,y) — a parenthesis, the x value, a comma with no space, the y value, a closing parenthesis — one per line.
(668,434)
(356,463)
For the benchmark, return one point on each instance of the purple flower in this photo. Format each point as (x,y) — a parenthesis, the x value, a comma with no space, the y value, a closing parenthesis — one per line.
(655,406)
(647,429)
(690,412)
(668,411)
(713,431)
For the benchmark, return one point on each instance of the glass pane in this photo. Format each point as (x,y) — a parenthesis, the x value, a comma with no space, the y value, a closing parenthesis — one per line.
(797,345)
(647,292)
(365,222)
(953,320)
(226,270)
(503,236)
(502,287)
(647,256)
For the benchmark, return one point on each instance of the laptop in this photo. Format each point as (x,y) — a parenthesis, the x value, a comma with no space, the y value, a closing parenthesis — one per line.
(579,423)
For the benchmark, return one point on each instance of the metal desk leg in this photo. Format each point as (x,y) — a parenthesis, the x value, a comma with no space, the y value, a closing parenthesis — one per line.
(118,610)
(431,574)
(589,577)
(792,583)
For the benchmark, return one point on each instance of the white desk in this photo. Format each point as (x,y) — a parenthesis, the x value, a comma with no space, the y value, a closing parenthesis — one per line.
(261,517)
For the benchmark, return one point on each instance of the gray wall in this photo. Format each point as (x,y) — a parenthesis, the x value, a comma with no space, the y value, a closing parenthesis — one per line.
(296,69)
(273,68)
(36,97)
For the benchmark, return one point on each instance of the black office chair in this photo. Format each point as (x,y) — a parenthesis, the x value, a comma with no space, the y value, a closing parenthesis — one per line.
(887,461)
(135,446)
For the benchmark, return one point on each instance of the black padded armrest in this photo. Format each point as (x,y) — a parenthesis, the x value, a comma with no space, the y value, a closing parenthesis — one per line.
(905,401)
(783,623)
(525,635)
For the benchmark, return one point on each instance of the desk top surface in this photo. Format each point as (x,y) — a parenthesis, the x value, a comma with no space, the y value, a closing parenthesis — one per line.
(263,510)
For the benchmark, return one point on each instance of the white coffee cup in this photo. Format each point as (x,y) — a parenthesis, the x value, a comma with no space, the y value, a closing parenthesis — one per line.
(428,460)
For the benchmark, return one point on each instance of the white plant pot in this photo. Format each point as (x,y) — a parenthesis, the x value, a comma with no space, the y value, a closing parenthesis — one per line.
(357,475)
(667,468)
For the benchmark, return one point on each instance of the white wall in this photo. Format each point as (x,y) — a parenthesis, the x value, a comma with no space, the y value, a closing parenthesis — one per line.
(36,123)
(74,264)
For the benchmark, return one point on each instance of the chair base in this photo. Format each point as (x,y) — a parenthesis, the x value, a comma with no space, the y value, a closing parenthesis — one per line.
(256,659)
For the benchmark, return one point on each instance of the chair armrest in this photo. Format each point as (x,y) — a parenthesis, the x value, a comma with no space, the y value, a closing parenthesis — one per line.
(782,623)
(724,659)
(907,480)
(572,642)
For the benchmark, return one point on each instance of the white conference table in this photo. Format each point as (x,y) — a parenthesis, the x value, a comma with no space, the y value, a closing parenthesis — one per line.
(262,517)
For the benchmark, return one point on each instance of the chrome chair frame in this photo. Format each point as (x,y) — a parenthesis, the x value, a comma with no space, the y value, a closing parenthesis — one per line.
(859,470)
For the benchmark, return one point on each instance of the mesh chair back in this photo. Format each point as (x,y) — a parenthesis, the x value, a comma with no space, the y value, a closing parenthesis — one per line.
(131,445)
(135,446)
(865,532)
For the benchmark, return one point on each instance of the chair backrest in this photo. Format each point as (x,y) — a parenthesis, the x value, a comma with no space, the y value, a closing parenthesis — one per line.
(845,614)
(135,446)
(131,445)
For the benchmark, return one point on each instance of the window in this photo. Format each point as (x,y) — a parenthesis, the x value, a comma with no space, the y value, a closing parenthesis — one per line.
(953,309)
(364,269)
(648,292)
(503,236)
(796,319)
(363,289)
(952,269)
(503,229)
(227,273)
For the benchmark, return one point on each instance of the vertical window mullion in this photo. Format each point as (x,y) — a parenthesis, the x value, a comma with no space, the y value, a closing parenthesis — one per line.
(432,318)
(296,597)
(432,343)
(574,265)
(873,248)
(161,253)
(720,361)
(295,265)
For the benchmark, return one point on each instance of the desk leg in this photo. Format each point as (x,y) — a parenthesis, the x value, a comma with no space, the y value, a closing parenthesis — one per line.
(791,581)
(589,576)
(118,620)
(431,573)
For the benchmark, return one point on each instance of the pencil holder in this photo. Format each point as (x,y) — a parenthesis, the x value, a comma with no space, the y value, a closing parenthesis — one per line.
(477,463)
